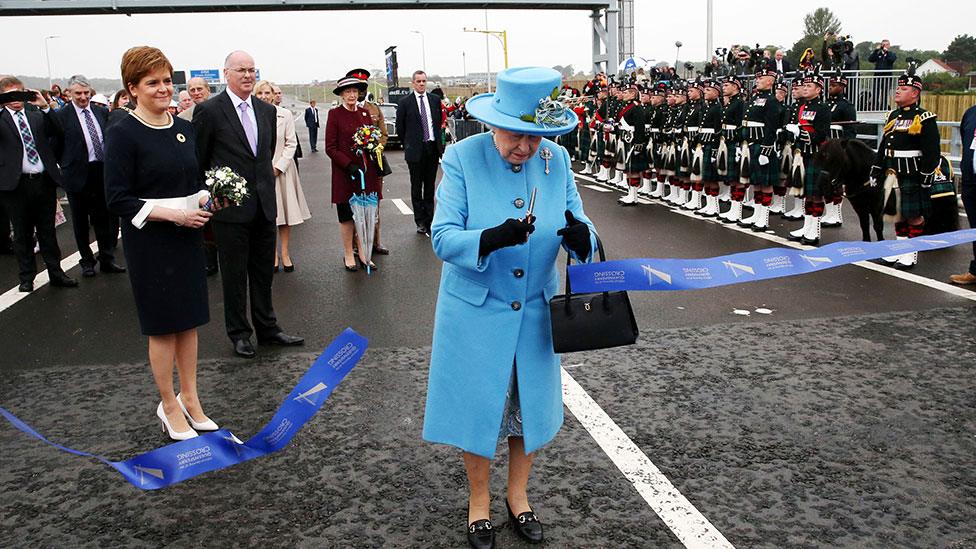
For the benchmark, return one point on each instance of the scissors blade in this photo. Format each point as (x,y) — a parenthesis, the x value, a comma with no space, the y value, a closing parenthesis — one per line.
(531,209)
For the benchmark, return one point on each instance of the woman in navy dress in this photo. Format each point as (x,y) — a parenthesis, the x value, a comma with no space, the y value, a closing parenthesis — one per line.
(153,183)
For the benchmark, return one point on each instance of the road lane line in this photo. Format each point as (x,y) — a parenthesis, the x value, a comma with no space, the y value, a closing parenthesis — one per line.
(597,188)
(13,295)
(402,206)
(685,521)
(883,269)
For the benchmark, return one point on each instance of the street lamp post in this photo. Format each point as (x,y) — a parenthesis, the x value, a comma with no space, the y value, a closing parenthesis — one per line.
(677,52)
(423,48)
(47,54)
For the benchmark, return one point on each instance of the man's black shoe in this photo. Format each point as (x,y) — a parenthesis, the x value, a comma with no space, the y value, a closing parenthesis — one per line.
(63,281)
(243,348)
(111,267)
(212,270)
(281,338)
(421,229)
(26,287)
(87,271)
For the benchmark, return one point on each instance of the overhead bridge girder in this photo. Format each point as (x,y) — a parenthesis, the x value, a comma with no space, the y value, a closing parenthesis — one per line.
(604,12)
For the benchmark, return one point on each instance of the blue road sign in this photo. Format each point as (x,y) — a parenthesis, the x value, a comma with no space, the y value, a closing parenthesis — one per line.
(210,75)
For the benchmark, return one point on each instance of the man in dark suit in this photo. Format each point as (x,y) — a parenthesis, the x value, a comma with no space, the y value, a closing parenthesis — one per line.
(29,176)
(312,123)
(238,131)
(779,63)
(418,123)
(968,167)
(79,131)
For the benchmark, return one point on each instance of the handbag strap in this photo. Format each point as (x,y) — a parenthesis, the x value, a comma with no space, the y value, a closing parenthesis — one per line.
(569,287)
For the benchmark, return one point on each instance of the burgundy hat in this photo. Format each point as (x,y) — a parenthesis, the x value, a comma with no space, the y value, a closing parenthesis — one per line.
(349,82)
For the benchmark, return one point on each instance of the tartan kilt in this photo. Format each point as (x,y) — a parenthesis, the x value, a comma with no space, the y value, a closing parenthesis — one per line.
(670,163)
(610,147)
(785,165)
(767,175)
(657,152)
(684,159)
(636,160)
(584,142)
(732,175)
(709,171)
(908,198)
(570,141)
(811,174)
(598,144)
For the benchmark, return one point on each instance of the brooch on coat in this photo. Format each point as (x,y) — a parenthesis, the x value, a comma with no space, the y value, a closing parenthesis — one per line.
(546,155)
(181,138)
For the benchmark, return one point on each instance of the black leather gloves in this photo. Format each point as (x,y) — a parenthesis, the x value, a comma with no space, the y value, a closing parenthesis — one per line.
(510,233)
(576,236)
(353,170)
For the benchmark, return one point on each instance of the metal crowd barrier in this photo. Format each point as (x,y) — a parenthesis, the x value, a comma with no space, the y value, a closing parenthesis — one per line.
(459,129)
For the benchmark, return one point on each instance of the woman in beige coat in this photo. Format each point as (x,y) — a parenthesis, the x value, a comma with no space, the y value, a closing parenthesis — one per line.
(292,207)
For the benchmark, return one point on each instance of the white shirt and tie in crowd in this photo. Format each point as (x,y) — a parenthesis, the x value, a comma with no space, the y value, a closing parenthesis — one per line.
(418,122)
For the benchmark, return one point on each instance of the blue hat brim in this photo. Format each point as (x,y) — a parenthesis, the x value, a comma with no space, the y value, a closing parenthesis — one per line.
(480,107)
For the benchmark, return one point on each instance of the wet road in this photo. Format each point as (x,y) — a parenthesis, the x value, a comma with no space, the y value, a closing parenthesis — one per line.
(843,418)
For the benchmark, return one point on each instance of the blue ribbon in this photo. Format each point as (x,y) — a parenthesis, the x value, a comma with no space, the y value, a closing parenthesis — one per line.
(219,449)
(696,274)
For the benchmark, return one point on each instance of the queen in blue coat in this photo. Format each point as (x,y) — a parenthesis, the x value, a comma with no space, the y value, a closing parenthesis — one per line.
(493,372)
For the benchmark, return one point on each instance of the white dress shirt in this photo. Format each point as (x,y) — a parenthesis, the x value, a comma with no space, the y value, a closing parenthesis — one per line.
(25,165)
(430,123)
(84,129)
(250,110)
(779,65)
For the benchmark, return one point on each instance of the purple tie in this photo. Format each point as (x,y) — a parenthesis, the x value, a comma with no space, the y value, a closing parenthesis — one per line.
(96,143)
(425,118)
(249,131)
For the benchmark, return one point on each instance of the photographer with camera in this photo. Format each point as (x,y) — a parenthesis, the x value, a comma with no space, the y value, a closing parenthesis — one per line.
(884,60)
(882,56)
(838,51)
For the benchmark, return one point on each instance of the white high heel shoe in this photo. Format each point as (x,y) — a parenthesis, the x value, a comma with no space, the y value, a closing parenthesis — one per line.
(168,429)
(208,425)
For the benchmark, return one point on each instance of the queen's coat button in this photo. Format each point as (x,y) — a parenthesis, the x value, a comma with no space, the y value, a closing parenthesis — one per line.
(516,305)
(519,203)
(519,273)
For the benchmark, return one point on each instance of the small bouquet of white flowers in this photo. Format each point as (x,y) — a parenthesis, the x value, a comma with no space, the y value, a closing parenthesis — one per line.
(224,184)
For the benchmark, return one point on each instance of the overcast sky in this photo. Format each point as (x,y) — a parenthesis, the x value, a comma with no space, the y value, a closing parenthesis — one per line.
(322,45)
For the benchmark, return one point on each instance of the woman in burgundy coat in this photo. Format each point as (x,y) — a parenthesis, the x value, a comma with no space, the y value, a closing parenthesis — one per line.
(343,122)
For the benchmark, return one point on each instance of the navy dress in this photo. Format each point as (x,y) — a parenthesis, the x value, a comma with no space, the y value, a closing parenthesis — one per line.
(167,266)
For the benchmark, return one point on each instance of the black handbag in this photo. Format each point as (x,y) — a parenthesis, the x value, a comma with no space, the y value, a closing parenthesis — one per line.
(584,322)
(386,169)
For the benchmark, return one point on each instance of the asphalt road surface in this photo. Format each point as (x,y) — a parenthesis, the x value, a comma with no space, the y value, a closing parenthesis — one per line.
(839,412)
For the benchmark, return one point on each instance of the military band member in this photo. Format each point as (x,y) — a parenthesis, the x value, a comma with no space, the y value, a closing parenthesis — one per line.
(843,119)
(569,140)
(692,176)
(630,124)
(647,104)
(810,131)
(789,152)
(612,108)
(582,130)
(667,149)
(781,90)
(598,136)
(679,146)
(657,138)
(906,164)
(708,135)
(726,164)
(759,163)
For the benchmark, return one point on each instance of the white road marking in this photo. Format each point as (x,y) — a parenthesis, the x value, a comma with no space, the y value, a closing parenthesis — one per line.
(402,206)
(685,521)
(13,295)
(884,269)
(597,188)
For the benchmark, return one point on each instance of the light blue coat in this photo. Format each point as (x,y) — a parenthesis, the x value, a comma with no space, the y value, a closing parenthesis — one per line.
(478,328)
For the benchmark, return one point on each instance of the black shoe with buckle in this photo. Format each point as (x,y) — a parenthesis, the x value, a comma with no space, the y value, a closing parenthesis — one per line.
(526,525)
(481,534)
